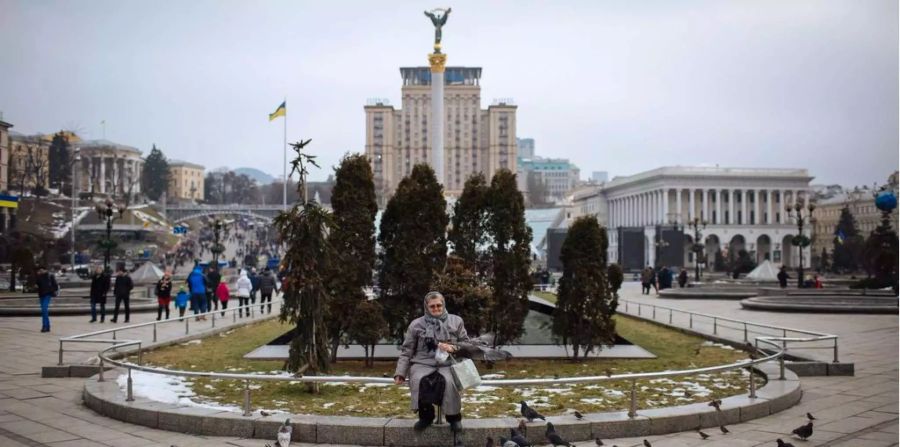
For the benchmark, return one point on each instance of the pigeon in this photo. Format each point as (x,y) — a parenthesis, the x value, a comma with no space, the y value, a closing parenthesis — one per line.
(598,441)
(702,435)
(523,428)
(724,430)
(688,393)
(264,413)
(284,434)
(810,416)
(530,414)
(578,415)
(783,444)
(697,351)
(490,442)
(553,437)
(647,443)
(507,443)
(716,404)
(518,439)
(804,431)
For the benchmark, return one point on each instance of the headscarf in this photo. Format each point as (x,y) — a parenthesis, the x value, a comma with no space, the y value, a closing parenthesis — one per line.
(435,327)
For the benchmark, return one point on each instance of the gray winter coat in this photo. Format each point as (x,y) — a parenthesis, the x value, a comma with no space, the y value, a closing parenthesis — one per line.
(416,362)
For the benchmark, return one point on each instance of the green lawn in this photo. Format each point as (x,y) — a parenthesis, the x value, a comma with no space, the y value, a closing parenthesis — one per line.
(675,350)
(549,296)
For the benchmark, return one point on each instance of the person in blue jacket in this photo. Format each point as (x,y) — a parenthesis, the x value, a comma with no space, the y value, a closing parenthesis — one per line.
(181,301)
(198,283)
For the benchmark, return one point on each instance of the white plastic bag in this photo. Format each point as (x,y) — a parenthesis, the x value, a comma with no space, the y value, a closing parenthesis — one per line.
(465,375)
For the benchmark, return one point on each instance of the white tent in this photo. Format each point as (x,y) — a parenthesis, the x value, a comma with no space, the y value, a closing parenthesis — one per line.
(764,272)
(148,272)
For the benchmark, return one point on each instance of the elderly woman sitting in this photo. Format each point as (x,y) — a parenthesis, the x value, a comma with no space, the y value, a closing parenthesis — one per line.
(424,361)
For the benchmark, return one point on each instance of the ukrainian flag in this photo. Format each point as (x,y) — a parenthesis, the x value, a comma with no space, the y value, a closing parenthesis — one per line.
(280,111)
(9,201)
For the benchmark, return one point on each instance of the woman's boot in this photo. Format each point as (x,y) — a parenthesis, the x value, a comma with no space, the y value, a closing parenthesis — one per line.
(426,417)
(455,421)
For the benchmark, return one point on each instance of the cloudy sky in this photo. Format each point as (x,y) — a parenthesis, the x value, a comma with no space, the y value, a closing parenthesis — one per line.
(620,86)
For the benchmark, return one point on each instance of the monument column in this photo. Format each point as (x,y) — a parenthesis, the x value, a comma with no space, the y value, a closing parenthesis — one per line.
(437,61)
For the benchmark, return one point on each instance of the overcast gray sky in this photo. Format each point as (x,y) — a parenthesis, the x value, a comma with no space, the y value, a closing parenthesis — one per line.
(621,86)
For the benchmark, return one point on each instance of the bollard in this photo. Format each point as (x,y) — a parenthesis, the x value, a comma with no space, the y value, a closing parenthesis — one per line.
(632,408)
(130,397)
(213,319)
(654,312)
(247,411)
(745,332)
(187,322)
(691,321)
(670,317)
(639,309)
(234,316)
(140,355)
(835,351)
(114,335)
(752,384)
(154,332)
(626,307)
(100,373)
(61,352)
(715,326)
(781,359)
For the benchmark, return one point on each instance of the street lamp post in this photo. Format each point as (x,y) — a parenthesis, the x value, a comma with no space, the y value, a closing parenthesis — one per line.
(107,211)
(74,201)
(800,240)
(698,225)
(217,248)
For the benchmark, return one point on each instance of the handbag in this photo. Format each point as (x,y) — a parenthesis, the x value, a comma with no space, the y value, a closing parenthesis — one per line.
(465,375)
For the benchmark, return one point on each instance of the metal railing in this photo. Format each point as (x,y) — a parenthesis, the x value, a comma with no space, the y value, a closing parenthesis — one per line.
(777,348)
(747,327)
(186,319)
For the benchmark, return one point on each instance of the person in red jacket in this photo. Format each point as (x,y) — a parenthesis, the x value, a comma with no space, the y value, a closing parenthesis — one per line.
(222,293)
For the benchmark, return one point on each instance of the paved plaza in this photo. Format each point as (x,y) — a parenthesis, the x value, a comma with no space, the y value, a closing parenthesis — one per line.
(859,411)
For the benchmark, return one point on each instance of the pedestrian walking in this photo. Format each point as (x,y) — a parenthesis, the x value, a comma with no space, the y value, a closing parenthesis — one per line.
(783,277)
(181,301)
(266,288)
(100,282)
(682,278)
(47,288)
(122,292)
(243,286)
(646,279)
(214,278)
(163,295)
(198,285)
(254,280)
(222,295)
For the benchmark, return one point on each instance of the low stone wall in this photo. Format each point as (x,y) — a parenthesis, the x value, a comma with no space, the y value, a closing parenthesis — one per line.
(824,304)
(107,399)
(711,293)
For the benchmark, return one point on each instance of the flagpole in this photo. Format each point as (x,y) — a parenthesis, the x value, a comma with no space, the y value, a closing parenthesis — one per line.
(284,184)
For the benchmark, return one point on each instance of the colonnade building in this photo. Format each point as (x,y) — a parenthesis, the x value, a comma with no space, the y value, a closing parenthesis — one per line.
(109,168)
(475,139)
(648,214)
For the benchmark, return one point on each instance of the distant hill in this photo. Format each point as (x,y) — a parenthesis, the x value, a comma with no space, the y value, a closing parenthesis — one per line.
(261,177)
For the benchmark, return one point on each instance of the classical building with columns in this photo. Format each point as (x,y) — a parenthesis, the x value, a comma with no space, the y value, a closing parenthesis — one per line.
(109,168)
(648,214)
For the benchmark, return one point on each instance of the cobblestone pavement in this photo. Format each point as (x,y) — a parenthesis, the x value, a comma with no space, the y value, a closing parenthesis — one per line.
(859,411)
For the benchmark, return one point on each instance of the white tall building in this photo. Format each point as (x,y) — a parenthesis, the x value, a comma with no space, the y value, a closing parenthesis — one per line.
(743,208)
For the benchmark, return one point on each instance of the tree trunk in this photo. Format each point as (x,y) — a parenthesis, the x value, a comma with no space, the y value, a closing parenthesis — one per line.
(335,344)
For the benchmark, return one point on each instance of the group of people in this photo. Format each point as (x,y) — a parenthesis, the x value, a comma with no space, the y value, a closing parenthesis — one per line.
(207,291)
(101,282)
(660,278)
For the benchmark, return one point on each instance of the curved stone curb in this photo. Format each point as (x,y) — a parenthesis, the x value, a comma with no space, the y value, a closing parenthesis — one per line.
(827,304)
(706,294)
(107,399)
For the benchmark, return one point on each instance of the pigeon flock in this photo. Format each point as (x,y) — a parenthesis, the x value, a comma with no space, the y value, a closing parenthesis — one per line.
(518,436)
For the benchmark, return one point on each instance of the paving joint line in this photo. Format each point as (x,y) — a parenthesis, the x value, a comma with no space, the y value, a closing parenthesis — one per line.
(857,434)
(21,439)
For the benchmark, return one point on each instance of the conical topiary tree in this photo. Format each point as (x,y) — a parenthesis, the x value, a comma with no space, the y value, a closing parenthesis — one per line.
(586,301)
